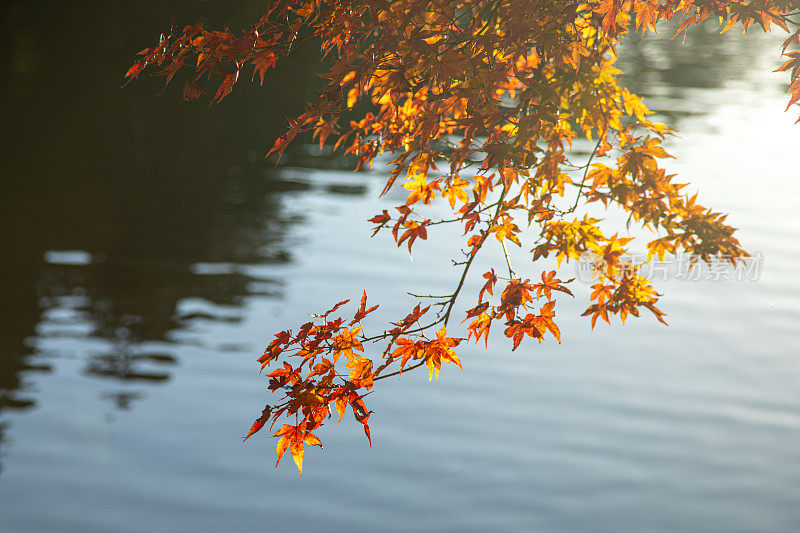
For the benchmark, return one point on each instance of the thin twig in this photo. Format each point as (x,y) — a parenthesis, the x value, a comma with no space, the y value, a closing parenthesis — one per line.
(585,173)
(508,261)
(451,303)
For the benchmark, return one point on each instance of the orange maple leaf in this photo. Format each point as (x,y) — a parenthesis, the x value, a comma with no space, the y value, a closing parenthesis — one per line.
(294,438)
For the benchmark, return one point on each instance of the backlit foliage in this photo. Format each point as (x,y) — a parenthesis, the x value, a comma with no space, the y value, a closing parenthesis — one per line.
(478,102)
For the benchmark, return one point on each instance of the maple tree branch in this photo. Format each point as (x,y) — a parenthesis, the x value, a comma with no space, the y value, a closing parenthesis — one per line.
(398,372)
(434,70)
(472,257)
(508,261)
(585,173)
(452,298)
(460,219)
(387,334)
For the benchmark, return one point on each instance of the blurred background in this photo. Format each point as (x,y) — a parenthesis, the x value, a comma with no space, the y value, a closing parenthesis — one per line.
(149,251)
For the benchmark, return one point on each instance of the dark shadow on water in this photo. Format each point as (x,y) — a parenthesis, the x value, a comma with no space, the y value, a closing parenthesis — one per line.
(111,197)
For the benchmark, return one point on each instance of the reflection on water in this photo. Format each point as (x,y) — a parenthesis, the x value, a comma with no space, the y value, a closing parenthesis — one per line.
(113,200)
(671,71)
(150,251)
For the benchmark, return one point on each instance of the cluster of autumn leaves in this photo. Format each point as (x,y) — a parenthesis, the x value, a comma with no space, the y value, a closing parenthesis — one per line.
(479,102)
(312,382)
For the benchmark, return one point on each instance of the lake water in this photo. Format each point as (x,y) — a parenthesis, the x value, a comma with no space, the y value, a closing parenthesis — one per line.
(149,252)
